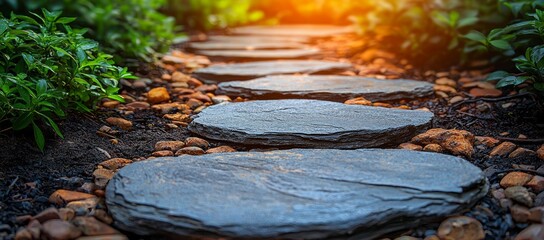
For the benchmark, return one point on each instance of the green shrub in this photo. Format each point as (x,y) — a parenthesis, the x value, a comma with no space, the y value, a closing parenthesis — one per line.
(47,68)
(127,29)
(212,14)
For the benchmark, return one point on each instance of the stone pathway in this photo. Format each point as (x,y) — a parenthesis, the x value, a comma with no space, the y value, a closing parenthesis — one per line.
(296,194)
(309,124)
(310,193)
(252,70)
(334,88)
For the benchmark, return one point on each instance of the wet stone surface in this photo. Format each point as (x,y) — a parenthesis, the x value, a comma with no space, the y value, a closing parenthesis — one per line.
(335,88)
(294,30)
(253,39)
(309,124)
(295,194)
(261,54)
(246,71)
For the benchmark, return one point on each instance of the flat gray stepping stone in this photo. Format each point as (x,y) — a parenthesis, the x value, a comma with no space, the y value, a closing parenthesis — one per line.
(336,88)
(253,39)
(296,194)
(252,70)
(309,124)
(294,30)
(261,54)
(221,45)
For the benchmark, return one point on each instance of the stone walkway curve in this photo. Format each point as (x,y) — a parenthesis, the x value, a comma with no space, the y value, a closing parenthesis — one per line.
(320,190)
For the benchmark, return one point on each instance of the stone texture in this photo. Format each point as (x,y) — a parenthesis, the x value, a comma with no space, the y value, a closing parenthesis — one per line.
(252,70)
(309,124)
(503,149)
(305,30)
(232,45)
(261,54)
(337,88)
(295,194)
(459,142)
(515,179)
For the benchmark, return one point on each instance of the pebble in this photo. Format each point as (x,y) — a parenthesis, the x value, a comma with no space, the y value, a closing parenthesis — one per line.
(107,237)
(102,177)
(519,194)
(481,92)
(433,148)
(47,214)
(67,214)
(536,184)
(170,107)
(190,151)
(83,207)
(515,179)
(503,149)
(456,99)
(197,142)
(180,77)
(23,234)
(92,227)
(138,106)
(442,94)
(446,82)
(533,232)
(221,99)
(446,89)
(459,142)
(194,103)
(180,117)
(173,146)
(498,193)
(522,152)
(103,216)
(164,153)
(461,228)
(158,95)
(88,187)
(120,122)
(537,214)
(110,104)
(61,197)
(520,214)
(359,101)
(220,149)
(115,163)
(487,141)
(540,152)
(180,85)
(60,230)
(411,146)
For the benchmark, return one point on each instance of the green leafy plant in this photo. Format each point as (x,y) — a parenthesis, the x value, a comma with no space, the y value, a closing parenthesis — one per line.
(47,68)
(127,29)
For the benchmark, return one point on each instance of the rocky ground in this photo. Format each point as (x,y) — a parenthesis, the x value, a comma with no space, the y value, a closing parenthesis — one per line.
(59,194)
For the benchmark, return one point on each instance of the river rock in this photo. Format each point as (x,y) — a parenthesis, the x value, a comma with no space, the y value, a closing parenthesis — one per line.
(335,88)
(309,124)
(252,70)
(261,54)
(305,30)
(295,194)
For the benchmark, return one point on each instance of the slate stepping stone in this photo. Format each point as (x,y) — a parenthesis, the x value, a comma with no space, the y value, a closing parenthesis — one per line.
(309,124)
(294,30)
(252,70)
(221,45)
(295,194)
(261,54)
(335,88)
(254,39)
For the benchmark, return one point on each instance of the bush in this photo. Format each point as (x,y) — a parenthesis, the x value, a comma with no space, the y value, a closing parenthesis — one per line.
(47,68)
(128,29)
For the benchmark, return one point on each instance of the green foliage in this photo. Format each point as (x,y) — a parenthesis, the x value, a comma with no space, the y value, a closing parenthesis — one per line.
(524,38)
(47,68)
(128,29)
(212,14)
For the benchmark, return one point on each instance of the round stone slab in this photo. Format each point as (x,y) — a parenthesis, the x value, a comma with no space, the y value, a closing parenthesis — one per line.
(309,124)
(295,194)
(261,54)
(253,39)
(246,71)
(294,30)
(220,45)
(335,88)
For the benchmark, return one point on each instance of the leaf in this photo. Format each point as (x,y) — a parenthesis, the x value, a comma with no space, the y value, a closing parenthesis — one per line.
(23,121)
(66,20)
(41,87)
(53,125)
(476,36)
(51,16)
(38,136)
(3,26)
(501,44)
(464,22)
(498,75)
(29,59)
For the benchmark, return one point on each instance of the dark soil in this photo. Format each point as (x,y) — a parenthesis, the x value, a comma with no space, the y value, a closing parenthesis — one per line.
(28,176)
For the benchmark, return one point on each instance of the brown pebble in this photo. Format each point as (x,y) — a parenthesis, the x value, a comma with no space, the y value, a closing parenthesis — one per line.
(169,145)
(536,184)
(461,228)
(163,153)
(60,230)
(533,232)
(92,227)
(220,149)
(102,176)
(158,95)
(120,122)
(190,151)
(115,163)
(411,146)
(519,194)
(522,152)
(196,142)
(67,214)
(433,148)
(503,149)
(515,179)
(47,214)
(61,197)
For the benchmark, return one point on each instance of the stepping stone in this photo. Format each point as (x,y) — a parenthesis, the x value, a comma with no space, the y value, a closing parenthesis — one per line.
(336,88)
(261,54)
(254,39)
(294,30)
(309,124)
(252,70)
(221,45)
(296,194)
